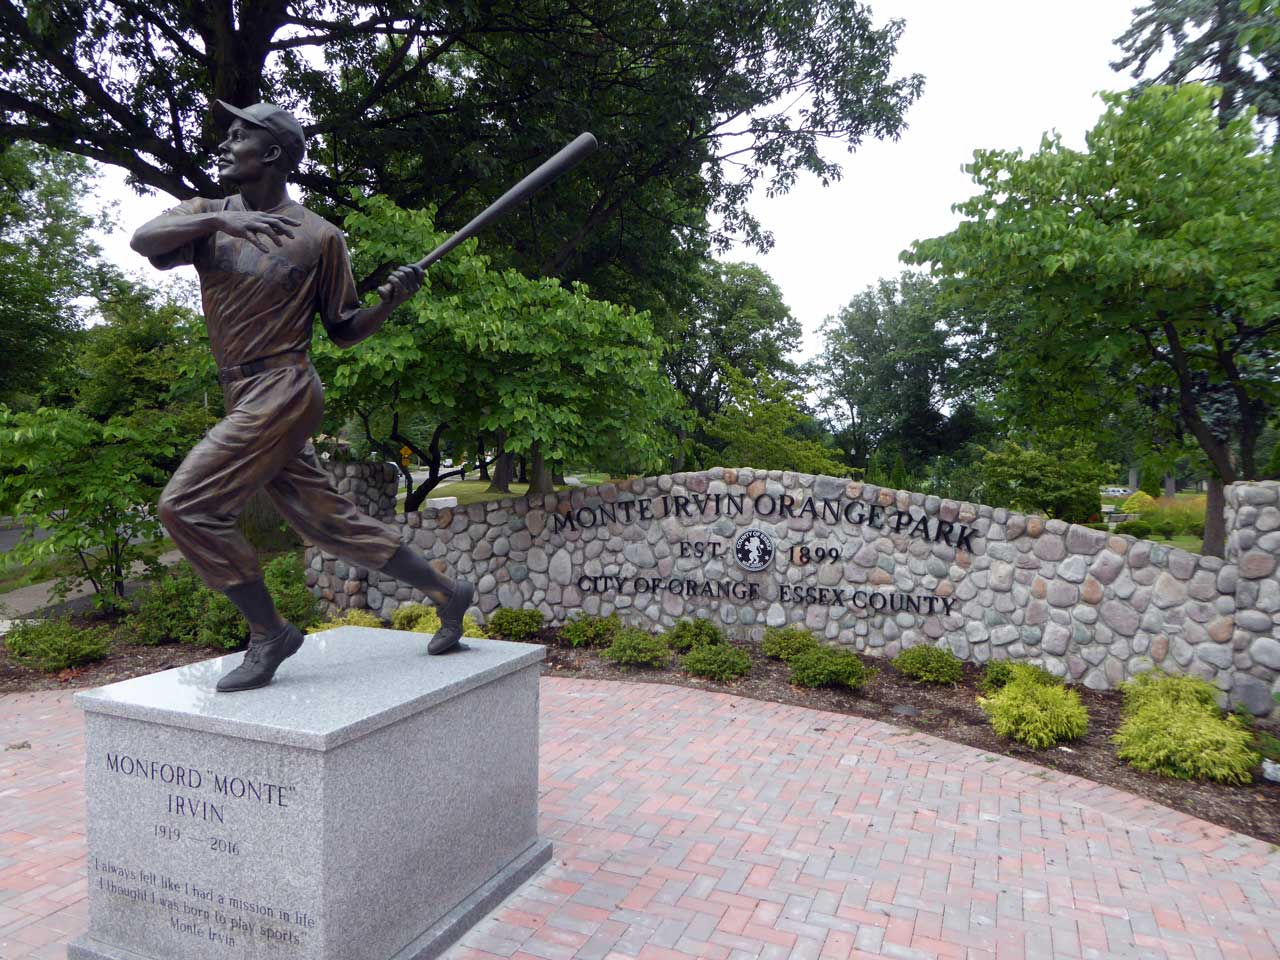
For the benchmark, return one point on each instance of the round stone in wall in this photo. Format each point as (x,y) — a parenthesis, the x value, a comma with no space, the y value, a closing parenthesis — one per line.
(753,549)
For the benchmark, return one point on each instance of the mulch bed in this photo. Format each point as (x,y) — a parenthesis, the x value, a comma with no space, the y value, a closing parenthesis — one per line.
(947,712)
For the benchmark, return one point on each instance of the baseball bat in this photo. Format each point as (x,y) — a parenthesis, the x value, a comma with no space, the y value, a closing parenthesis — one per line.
(582,146)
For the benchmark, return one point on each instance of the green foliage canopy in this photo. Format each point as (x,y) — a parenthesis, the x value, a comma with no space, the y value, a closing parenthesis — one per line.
(486,350)
(756,429)
(737,320)
(92,485)
(450,103)
(1150,253)
(1058,476)
(1233,44)
(46,261)
(893,376)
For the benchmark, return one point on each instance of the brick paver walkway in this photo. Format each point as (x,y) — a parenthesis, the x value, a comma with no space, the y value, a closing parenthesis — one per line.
(699,825)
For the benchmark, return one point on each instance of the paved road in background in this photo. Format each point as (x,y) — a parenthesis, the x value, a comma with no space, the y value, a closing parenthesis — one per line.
(11,533)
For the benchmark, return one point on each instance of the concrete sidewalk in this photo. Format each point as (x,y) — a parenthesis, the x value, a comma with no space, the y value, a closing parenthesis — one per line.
(36,599)
(700,826)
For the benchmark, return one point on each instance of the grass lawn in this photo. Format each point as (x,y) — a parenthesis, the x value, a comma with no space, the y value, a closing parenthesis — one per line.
(472,491)
(477,491)
(1183,542)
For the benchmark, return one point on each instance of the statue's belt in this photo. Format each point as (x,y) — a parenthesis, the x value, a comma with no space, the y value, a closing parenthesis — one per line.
(293,358)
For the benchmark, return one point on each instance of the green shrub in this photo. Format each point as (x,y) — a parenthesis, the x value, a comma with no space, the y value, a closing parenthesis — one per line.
(1166,692)
(1036,714)
(587,631)
(420,618)
(1139,502)
(178,608)
(286,581)
(783,643)
(1135,528)
(1196,529)
(221,627)
(169,609)
(688,634)
(53,645)
(828,667)
(998,674)
(517,625)
(1167,529)
(350,618)
(1189,742)
(1104,527)
(930,664)
(717,661)
(633,647)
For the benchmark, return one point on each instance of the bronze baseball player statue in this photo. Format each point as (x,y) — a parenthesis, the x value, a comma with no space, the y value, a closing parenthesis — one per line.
(267,266)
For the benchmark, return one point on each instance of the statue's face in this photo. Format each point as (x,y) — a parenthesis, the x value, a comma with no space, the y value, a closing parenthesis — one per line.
(246,154)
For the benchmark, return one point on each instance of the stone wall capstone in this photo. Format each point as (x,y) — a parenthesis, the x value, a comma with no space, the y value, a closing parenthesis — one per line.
(871,569)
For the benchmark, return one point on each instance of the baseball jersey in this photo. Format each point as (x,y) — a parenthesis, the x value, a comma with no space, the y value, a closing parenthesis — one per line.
(258,304)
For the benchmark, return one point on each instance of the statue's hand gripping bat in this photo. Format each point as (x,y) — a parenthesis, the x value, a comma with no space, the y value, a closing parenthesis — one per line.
(569,157)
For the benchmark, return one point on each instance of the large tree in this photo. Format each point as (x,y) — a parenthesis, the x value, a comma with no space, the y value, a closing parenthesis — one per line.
(1150,252)
(449,103)
(1229,43)
(737,322)
(893,377)
(47,262)
(560,375)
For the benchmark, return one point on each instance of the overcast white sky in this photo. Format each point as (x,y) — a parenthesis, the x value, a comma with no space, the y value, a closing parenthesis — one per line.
(998,74)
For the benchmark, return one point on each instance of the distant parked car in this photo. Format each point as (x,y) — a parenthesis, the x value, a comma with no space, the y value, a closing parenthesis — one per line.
(1116,491)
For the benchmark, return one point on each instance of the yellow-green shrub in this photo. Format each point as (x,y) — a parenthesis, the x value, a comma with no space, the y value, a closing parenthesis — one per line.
(350,618)
(998,673)
(1172,726)
(1138,502)
(1168,692)
(420,618)
(1036,714)
(1188,742)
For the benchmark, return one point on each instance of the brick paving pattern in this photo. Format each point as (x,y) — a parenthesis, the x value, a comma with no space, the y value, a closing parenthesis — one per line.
(699,825)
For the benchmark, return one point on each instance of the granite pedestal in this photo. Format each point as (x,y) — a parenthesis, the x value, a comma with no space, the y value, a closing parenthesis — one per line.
(370,804)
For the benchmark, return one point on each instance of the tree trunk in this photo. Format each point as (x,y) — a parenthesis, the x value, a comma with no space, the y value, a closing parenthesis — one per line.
(1170,486)
(480,461)
(677,465)
(557,473)
(539,473)
(501,482)
(1215,520)
(1134,477)
(522,474)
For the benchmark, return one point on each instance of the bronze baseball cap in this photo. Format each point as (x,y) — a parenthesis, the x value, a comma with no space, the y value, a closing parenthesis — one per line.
(277,121)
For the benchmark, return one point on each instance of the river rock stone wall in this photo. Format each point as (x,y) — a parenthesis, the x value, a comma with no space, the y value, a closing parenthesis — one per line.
(372,487)
(1252,576)
(872,569)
